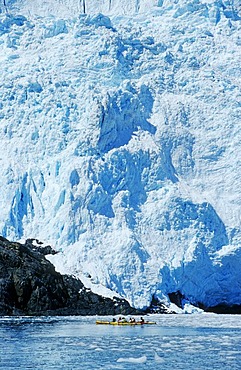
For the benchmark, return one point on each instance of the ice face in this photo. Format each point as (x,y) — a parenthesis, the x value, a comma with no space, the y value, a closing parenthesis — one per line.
(120,142)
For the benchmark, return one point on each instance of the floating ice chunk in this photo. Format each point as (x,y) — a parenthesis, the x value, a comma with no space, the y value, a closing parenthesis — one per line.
(137,360)
(158,358)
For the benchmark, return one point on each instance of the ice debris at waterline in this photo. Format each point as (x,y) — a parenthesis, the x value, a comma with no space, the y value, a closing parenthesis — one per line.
(120,142)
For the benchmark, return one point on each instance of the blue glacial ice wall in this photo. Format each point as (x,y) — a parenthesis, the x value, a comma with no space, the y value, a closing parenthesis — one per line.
(69,8)
(120,143)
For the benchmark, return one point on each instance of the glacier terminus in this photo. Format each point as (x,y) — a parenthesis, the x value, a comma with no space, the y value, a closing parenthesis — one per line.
(121,143)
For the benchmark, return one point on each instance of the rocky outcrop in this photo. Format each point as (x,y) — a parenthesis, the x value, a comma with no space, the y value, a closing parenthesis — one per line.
(29,285)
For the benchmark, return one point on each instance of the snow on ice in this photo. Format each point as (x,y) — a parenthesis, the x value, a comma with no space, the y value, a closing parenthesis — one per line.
(120,142)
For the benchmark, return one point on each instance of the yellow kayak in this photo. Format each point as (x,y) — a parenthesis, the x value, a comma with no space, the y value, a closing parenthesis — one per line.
(100,322)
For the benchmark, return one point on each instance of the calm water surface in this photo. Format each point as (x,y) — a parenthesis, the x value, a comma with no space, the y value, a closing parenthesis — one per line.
(203,341)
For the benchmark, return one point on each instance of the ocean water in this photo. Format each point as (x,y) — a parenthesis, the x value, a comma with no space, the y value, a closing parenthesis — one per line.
(203,341)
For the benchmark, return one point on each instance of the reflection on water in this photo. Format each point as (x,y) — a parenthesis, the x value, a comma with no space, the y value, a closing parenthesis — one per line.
(176,342)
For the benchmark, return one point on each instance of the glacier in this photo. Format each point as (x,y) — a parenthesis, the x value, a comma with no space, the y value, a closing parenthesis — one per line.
(120,142)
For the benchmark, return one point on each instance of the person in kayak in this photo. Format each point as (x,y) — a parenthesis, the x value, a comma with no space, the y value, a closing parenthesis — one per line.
(122,319)
(142,321)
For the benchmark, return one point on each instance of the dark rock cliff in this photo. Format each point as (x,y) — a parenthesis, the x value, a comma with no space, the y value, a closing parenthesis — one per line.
(29,285)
